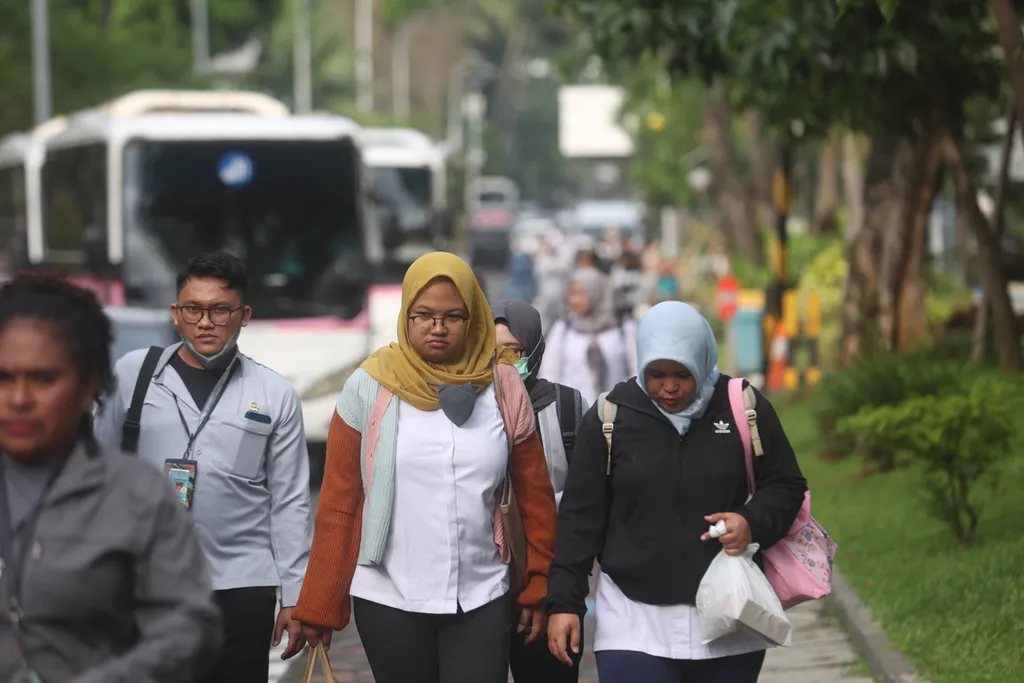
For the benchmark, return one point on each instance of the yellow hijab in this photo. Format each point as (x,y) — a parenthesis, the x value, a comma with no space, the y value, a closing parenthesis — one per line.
(403,371)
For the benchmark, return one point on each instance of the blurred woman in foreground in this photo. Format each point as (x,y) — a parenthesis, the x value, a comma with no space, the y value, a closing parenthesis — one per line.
(102,580)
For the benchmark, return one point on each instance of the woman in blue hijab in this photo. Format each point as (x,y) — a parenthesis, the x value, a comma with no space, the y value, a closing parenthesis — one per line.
(522,283)
(675,466)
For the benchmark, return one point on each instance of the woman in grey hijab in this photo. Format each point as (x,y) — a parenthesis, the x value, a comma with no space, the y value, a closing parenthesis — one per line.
(558,409)
(591,349)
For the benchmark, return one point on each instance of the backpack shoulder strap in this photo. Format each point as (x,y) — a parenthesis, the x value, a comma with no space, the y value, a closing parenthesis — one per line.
(749,404)
(740,418)
(132,426)
(566,407)
(608,411)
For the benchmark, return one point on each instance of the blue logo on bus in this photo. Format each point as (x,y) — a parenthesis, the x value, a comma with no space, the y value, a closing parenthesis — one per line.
(235,169)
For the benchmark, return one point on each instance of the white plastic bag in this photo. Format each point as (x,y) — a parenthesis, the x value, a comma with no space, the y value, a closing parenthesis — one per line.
(734,594)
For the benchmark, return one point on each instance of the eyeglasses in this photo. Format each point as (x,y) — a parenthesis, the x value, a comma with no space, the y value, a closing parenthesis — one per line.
(425,323)
(219,315)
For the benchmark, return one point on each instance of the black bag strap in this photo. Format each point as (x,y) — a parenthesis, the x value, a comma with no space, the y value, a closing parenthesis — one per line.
(567,406)
(133,417)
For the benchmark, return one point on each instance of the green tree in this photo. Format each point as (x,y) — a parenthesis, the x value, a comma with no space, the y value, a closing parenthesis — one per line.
(906,81)
(103,48)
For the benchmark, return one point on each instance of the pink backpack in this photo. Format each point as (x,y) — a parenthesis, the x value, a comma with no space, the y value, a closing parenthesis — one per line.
(799,567)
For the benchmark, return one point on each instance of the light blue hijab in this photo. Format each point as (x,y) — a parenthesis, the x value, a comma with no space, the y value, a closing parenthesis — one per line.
(675,331)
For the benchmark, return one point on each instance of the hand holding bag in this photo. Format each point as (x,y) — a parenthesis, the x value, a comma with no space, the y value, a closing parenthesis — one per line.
(313,655)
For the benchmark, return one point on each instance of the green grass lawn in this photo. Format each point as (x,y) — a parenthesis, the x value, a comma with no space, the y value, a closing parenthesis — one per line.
(957,613)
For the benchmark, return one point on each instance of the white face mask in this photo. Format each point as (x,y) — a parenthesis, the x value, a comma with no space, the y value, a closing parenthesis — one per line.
(216,361)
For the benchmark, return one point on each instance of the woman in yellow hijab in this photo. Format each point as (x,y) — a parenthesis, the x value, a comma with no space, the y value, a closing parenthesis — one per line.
(409,523)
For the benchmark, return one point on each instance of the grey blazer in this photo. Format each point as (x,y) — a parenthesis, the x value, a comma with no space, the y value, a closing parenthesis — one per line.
(115,588)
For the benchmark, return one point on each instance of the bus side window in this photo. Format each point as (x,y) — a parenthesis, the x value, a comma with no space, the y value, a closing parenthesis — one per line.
(75,204)
(13,218)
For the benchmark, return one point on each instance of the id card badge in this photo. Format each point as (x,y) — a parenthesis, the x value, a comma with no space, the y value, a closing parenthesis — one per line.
(182,474)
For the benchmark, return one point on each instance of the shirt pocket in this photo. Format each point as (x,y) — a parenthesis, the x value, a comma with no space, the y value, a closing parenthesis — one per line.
(242,445)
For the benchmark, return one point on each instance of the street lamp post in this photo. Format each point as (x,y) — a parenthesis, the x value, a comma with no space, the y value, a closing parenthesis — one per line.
(42,90)
(200,20)
(364,55)
(303,58)
(400,70)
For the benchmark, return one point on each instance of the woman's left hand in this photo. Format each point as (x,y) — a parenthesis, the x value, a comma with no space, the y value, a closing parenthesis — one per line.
(532,622)
(737,532)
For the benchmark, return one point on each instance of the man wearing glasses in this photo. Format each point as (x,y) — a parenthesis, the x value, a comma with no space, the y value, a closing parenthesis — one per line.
(228,433)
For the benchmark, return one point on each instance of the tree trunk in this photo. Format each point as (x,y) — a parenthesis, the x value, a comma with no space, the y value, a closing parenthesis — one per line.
(894,241)
(861,292)
(853,185)
(981,320)
(993,277)
(912,329)
(510,60)
(740,226)
(762,165)
(826,195)
(1008,29)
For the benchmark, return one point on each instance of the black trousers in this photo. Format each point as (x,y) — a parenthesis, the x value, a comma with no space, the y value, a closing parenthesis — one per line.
(534,663)
(248,615)
(621,666)
(409,647)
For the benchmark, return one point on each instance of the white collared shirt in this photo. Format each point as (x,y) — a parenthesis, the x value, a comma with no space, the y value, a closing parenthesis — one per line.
(440,552)
(667,631)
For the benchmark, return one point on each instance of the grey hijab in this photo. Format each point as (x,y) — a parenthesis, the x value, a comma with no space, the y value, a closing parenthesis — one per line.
(524,323)
(600,315)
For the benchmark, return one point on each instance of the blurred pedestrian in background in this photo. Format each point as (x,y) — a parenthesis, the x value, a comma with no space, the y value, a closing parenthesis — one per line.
(627,284)
(522,282)
(591,349)
(551,268)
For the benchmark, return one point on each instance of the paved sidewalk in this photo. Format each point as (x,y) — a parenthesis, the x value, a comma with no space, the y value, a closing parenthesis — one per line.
(820,653)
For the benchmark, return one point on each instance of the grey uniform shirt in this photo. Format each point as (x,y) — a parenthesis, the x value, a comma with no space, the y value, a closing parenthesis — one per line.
(251,507)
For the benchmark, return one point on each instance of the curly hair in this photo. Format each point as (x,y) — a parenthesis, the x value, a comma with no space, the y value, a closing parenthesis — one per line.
(74,312)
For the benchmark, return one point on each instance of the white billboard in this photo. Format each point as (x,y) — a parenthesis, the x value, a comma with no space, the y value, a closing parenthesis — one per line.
(588,122)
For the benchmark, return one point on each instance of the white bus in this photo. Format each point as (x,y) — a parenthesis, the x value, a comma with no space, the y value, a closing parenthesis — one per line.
(21,161)
(132,189)
(409,189)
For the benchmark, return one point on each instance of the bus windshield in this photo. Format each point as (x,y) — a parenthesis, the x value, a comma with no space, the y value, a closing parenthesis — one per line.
(405,214)
(289,208)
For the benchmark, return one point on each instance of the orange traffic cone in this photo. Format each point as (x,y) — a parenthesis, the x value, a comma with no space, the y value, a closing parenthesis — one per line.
(777,363)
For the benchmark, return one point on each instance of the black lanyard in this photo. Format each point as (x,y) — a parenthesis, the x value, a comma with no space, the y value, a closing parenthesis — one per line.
(211,403)
(14,555)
